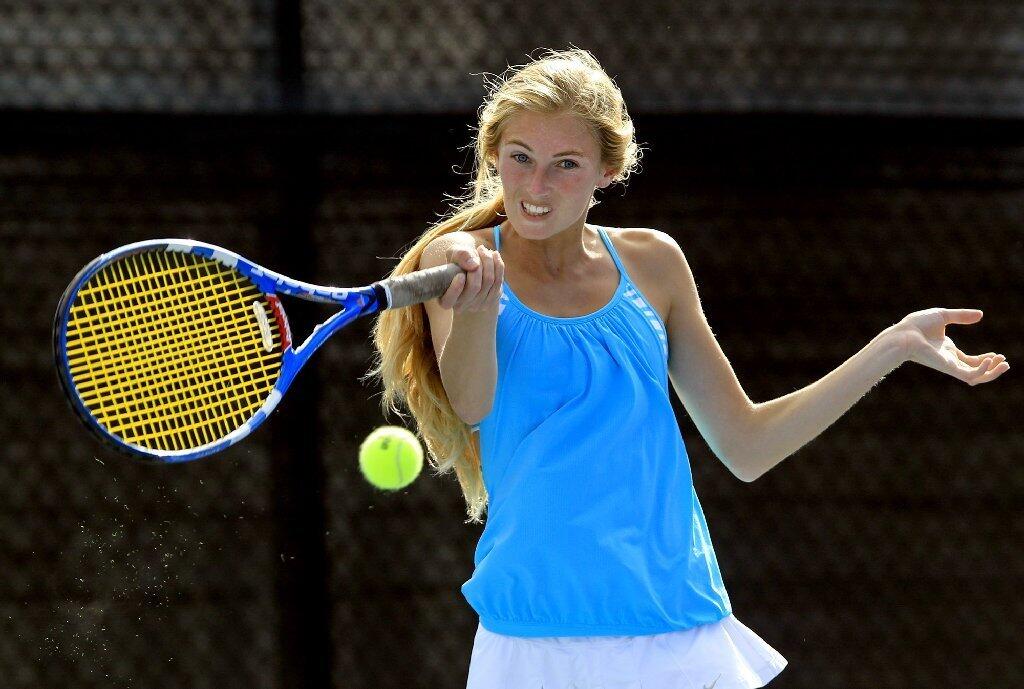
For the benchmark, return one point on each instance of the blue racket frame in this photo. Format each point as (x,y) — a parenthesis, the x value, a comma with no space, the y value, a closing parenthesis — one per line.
(354,303)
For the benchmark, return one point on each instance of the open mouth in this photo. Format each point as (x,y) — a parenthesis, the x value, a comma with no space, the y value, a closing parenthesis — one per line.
(534,211)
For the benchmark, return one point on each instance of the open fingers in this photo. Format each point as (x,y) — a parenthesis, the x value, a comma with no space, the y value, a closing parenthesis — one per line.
(988,370)
(977,359)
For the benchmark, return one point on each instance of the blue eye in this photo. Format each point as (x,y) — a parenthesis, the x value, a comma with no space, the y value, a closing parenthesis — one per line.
(572,163)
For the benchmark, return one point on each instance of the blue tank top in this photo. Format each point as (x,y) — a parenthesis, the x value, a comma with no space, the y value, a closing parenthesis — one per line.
(593,525)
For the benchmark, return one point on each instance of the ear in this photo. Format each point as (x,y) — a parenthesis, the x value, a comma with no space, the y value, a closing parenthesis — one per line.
(606,178)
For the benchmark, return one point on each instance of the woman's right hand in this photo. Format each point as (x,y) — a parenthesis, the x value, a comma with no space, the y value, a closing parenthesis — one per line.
(479,288)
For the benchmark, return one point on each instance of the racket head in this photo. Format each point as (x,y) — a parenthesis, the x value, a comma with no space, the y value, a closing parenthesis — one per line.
(170,350)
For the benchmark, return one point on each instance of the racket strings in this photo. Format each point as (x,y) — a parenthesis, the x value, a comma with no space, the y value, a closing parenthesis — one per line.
(169,348)
(191,414)
(144,311)
(112,281)
(166,352)
(193,403)
(195,360)
(189,402)
(116,285)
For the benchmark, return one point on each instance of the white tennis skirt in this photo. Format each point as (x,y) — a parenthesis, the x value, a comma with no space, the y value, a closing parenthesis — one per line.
(720,655)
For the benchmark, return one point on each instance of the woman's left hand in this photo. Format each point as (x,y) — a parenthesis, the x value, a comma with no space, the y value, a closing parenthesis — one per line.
(925,340)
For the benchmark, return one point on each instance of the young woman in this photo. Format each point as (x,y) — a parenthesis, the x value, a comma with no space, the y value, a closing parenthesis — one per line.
(542,378)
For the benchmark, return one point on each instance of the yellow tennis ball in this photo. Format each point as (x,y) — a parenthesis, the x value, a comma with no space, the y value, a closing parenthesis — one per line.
(391,457)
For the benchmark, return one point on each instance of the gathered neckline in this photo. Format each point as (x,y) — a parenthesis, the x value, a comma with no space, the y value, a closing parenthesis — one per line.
(606,240)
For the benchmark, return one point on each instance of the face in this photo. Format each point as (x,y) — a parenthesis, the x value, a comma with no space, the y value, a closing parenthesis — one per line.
(551,162)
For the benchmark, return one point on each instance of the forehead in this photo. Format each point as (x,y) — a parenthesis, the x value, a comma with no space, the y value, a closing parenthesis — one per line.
(550,133)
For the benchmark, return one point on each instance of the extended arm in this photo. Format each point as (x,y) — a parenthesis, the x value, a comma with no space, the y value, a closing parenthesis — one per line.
(752,438)
(784,425)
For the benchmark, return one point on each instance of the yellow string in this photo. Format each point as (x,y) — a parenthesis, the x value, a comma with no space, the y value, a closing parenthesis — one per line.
(165,351)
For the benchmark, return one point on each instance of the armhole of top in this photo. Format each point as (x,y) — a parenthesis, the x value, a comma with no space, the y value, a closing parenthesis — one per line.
(640,300)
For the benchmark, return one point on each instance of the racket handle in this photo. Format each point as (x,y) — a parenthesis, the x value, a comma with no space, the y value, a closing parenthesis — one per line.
(419,286)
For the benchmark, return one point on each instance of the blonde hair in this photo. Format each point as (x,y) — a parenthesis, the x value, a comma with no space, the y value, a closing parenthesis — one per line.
(570,81)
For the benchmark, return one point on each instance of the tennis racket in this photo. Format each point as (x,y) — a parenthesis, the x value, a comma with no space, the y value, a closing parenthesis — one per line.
(171,349)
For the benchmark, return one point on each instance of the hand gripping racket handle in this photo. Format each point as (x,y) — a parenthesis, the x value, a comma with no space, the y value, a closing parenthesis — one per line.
(418,287)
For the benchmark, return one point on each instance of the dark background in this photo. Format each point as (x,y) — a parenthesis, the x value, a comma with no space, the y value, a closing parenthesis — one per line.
(828,167)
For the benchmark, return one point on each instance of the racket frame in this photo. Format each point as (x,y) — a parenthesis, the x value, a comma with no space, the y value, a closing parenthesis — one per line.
(354,302)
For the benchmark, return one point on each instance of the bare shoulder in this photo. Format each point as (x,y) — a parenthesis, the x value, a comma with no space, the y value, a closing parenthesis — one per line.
(653,259)
(483,237)
(436,252)
(644,242)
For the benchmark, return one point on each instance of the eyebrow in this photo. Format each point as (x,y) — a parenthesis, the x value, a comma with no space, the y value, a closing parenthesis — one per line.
(563,153)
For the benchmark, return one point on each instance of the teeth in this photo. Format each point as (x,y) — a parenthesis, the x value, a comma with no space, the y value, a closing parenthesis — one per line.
(535,210)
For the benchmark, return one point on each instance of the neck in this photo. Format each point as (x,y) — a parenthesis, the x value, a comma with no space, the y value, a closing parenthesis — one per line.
(553,256)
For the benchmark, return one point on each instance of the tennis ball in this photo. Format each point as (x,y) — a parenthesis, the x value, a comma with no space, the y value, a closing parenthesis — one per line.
(391,457)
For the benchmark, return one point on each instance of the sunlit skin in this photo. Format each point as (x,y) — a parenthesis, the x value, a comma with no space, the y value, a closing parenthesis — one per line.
(534,166)
(552,161)
(531,170)
(925,342)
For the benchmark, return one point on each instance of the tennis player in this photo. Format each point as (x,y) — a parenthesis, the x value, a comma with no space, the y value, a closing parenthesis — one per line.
(542,379)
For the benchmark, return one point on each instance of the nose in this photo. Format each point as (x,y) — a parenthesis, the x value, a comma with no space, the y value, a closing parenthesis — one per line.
(538,181)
